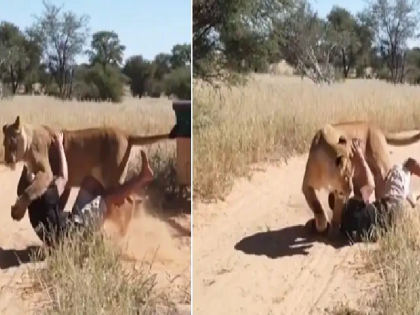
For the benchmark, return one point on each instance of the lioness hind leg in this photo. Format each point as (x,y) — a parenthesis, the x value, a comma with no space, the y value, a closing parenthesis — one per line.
(321,222)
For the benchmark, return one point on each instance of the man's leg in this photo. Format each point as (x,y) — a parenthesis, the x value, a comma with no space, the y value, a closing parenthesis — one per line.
(117,195)
(64,198)
(413,166)
(89,189)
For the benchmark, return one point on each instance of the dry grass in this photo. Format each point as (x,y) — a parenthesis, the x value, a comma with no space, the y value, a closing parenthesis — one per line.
(396,261)
(87,277)
(84,275)
(274,117)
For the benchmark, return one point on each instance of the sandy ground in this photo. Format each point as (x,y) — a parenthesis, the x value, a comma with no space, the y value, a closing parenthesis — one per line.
(148,241)
(252,254)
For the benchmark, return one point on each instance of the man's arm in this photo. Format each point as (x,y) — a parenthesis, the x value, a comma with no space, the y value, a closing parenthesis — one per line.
(364,174)
(368,186)
(23,181)
(63,176)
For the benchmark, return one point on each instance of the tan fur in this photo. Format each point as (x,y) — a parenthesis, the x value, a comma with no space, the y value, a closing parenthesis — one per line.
(322,173)
(328,167)
(102,152)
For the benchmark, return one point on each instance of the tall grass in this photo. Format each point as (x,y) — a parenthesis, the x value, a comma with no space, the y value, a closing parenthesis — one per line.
(84,275)
(275,117)
(396,261)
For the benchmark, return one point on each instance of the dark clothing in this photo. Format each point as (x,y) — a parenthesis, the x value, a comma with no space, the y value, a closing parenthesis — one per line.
(49,222)
(360,219)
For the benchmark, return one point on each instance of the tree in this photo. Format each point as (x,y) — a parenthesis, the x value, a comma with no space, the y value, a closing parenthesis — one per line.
(344,31)
(138,70)
(106,49)
(162,63)
(178,83)
(365,56)
(181,56)
(107,81)
(63,36)
(14,54)
(33,51)
(307,42)
(395,22)
(233,36)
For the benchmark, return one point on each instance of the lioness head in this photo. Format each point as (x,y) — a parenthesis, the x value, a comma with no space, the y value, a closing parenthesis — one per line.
(343,169)
(13,143)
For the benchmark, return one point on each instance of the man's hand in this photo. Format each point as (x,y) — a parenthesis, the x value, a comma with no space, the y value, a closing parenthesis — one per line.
(58,138)
(19,208)
(356,149)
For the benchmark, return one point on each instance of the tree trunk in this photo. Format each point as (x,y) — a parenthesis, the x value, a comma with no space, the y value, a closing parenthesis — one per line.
(13,80)
(346,67)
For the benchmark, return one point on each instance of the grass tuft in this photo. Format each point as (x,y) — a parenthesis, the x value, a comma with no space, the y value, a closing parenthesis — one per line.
(84,275)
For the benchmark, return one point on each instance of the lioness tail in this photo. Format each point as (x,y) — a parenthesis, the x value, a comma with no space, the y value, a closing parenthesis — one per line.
(144,140)
(398,140)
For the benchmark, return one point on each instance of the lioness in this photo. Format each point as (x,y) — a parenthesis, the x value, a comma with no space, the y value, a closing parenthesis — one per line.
(329,165)
(102,152)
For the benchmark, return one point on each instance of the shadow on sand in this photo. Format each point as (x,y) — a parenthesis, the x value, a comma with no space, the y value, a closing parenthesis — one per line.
(14,257)
(289,241)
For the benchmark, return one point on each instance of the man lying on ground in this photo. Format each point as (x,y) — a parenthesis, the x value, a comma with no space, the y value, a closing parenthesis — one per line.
(359,217)
(92,204)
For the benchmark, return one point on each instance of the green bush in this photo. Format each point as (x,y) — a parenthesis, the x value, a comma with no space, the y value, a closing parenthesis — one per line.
(108,80)
(52,90)
(178,83)
(154,88)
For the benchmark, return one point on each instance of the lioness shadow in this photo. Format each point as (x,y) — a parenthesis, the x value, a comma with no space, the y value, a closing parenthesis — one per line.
(289,241)
(14,257)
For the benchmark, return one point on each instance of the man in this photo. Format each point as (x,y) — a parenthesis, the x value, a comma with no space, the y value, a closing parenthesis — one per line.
(92,204)
(361,216)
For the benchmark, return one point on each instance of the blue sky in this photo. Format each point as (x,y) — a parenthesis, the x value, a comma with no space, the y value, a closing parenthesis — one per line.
(324,6)
(146,27)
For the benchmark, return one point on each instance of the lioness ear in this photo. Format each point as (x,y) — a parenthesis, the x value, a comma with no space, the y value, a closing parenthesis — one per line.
(4,128)
(17,123)
(339,161)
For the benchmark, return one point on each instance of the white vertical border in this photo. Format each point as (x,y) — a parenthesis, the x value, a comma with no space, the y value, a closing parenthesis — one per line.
(192,175)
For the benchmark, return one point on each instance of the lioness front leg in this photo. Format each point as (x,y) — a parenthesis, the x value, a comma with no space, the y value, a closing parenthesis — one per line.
(33,191)
(321,222)
(336,216)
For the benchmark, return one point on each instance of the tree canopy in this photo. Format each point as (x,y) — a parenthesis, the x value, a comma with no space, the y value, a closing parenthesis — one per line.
(241,36)
(43,59)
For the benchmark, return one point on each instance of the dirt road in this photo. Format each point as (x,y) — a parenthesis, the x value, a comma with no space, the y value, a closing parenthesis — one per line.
(147,239)
(253,256)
